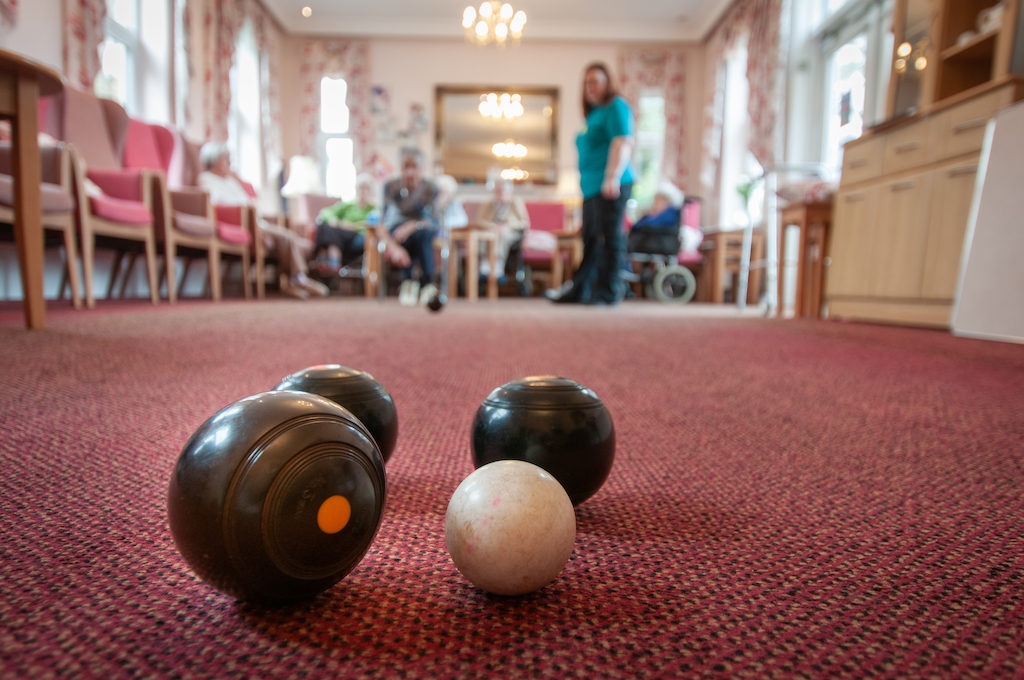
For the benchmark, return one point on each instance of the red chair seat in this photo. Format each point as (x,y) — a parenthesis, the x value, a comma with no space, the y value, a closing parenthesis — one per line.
(233,233)
(195,225)
(54,198)
(119,210)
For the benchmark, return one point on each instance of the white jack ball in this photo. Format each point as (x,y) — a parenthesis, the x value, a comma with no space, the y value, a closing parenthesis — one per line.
(510,527)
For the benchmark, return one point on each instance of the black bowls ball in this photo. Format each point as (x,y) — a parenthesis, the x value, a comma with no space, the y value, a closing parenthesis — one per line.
(436,302)
(552,422)
(277,497)
(355,390)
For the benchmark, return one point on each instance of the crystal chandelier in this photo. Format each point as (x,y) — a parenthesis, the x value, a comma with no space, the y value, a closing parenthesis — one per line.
(493,22)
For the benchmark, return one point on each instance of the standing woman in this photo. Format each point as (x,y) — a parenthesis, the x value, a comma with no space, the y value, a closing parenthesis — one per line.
(606,179)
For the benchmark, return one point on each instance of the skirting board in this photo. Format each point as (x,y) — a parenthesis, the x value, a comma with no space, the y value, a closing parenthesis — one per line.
(990,295)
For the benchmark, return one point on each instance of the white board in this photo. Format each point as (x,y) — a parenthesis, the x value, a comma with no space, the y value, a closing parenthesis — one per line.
(990,295)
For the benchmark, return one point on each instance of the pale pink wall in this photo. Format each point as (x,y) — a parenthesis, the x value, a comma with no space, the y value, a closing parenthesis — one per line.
(37,34)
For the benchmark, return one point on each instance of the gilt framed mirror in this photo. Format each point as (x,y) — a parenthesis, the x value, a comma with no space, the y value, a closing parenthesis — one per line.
(483,132)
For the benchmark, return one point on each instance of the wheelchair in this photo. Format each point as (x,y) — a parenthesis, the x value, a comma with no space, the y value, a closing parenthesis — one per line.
(655,257)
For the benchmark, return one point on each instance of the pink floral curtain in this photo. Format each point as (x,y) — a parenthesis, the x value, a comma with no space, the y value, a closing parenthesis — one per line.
(8,12)
(348,59)
(229,15)
(83,34)
(268,40)
(661,69)
(763,65)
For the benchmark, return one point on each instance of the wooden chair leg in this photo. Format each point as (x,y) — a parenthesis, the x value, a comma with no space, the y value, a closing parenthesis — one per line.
(128,274)
(71,268)
(115,274)
(151,270)
(170,255)
(213,274)
(88,252)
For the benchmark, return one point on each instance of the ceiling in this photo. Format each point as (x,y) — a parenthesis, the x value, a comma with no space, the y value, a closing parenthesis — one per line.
(617,20)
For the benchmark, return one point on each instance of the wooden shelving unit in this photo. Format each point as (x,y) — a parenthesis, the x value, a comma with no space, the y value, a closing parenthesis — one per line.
(966,64)
(906,188)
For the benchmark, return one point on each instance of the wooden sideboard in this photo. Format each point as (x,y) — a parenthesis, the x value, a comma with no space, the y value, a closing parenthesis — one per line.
(901,212)
(907,186)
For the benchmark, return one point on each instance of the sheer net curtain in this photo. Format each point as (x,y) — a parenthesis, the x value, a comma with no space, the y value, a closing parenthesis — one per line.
(662,69)
(83,32)
(760,21)
(348,59)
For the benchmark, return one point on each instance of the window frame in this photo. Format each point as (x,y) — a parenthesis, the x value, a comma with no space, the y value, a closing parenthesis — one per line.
(808,75)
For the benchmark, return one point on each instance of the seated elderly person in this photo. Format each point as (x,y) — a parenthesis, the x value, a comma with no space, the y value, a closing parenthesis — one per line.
(410,223)
(665,211)
(227,188)
(341,228)
(506,214)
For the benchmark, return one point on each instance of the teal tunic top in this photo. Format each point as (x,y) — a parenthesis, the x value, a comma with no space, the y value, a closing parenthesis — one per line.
(604,123)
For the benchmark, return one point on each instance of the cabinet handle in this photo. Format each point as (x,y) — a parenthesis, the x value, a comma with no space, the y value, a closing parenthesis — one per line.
(854,198)
(969,125)
(902,186)
(964,170)
(907,147)
(858,163)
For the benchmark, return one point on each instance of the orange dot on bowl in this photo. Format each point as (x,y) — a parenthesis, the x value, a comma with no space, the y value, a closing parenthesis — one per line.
(334,514)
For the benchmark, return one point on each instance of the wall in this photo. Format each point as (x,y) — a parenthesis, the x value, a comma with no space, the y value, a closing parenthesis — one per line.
(410,70)
(37,34)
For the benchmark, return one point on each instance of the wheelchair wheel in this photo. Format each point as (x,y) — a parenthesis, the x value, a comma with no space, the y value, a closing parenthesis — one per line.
(674,283)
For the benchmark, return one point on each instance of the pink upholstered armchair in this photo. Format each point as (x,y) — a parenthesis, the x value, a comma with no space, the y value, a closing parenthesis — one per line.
(61,212)
(118,200)
(541,248)
(183,220)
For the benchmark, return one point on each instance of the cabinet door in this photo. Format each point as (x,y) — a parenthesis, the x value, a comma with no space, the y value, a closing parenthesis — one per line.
(854,227)
(952,193)
(903,206)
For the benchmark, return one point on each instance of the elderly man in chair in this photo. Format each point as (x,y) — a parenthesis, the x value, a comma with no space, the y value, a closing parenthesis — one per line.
(227,188)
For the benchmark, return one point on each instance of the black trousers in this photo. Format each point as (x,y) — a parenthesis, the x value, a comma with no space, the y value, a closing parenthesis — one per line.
(350,243)
(599,277)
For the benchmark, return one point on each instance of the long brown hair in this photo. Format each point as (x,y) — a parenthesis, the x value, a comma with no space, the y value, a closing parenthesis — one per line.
(610,94)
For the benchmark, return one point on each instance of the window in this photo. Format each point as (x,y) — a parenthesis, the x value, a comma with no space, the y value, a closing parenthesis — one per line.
(650,140)
(135,58)
(118,52)
(840,75)
(338,151)
(244,124)
(845,106)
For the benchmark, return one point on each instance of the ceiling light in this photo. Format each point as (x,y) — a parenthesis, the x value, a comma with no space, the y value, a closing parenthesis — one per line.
(494,22)
(506,106)
(307,11)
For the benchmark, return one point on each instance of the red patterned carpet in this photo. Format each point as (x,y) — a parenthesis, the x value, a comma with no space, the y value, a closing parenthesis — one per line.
(789,499)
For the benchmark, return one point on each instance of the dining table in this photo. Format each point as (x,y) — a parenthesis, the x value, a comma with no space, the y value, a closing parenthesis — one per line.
(22,82)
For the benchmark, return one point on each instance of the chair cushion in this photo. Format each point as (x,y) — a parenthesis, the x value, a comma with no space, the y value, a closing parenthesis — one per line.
(54,198)
(120,210)
(192,224)
(233,233)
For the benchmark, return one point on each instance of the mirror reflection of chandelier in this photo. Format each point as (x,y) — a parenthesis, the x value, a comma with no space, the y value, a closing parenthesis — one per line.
(514,174)
(509,149)
(505,106)
(494,22)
